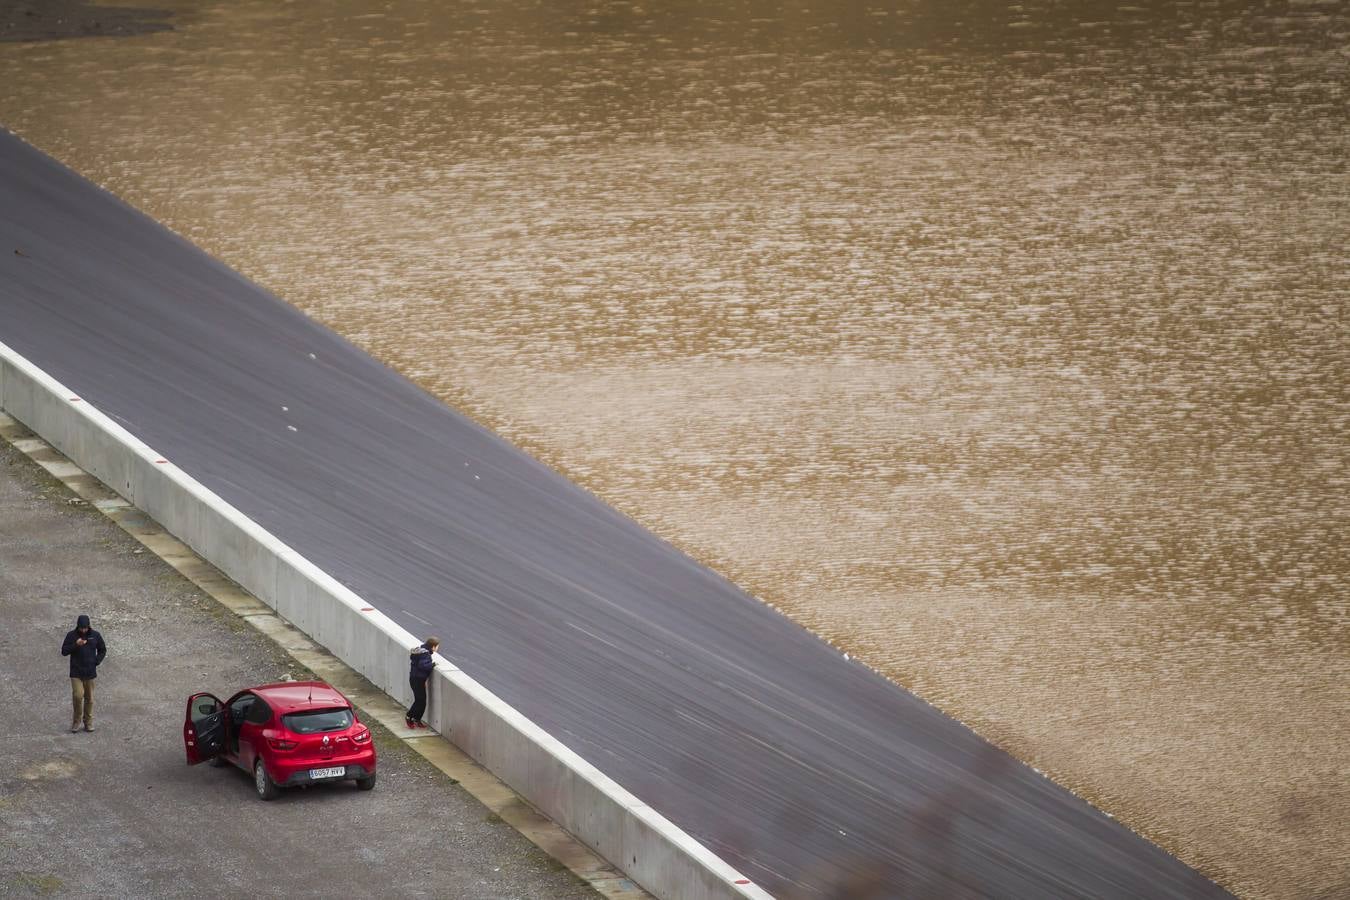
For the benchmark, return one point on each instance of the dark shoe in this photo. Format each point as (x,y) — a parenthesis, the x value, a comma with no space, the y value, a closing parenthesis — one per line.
(89,728)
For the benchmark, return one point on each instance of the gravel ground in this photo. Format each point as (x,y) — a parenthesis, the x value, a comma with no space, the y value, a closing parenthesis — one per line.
(117,813)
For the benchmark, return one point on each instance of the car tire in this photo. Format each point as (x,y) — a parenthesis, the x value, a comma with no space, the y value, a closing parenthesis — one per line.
(367,783)
(262,782)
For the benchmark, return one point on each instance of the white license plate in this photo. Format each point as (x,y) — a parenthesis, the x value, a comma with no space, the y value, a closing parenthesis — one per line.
(328,773)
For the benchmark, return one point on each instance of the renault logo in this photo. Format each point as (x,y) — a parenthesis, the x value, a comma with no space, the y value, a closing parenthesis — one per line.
(325,740)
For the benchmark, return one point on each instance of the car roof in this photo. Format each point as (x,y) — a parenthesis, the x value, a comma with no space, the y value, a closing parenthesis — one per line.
(289,696)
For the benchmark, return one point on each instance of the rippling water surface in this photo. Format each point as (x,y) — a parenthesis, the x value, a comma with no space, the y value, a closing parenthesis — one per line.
(1004,345)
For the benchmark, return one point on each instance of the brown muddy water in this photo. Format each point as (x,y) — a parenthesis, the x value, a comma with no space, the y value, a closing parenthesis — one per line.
(1003,345)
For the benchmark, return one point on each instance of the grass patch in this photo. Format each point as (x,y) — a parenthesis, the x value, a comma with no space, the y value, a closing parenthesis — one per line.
(42,885)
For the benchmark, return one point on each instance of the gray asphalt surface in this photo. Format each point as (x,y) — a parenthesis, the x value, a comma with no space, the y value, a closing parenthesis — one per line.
(810,773)
(118,813)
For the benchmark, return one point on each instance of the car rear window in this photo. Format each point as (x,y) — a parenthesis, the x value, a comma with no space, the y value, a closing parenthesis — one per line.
(312,721)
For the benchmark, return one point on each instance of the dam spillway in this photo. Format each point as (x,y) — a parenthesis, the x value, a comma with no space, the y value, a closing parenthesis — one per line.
(807,771)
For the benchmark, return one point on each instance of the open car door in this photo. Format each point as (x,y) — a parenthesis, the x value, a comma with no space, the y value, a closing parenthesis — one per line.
(204,728)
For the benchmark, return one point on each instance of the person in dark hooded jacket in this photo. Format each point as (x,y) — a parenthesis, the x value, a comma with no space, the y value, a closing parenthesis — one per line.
(420,667)
(86,650)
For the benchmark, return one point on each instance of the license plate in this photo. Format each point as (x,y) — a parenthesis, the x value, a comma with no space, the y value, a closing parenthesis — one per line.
(328,773)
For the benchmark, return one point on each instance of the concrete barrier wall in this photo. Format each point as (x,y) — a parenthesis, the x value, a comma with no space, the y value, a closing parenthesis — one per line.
(639,841)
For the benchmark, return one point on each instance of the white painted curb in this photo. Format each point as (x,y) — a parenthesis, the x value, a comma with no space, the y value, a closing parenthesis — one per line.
(579,797)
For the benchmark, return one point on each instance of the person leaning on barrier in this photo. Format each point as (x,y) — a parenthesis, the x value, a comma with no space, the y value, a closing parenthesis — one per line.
(421,665)
(86,650)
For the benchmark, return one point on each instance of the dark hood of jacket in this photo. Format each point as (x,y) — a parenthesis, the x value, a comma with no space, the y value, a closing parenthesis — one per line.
(82,622)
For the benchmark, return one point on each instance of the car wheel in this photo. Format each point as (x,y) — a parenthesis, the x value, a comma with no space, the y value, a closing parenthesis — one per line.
(365,784)
(266,787)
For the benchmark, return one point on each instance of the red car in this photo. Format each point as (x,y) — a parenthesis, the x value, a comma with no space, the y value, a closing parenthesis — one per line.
(286,734)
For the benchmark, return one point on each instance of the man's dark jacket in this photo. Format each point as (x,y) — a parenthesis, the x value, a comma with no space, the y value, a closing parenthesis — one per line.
(421,664)
(84,660)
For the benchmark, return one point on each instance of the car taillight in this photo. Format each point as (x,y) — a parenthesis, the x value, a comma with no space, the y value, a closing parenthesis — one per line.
(362,736)
(281,744)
